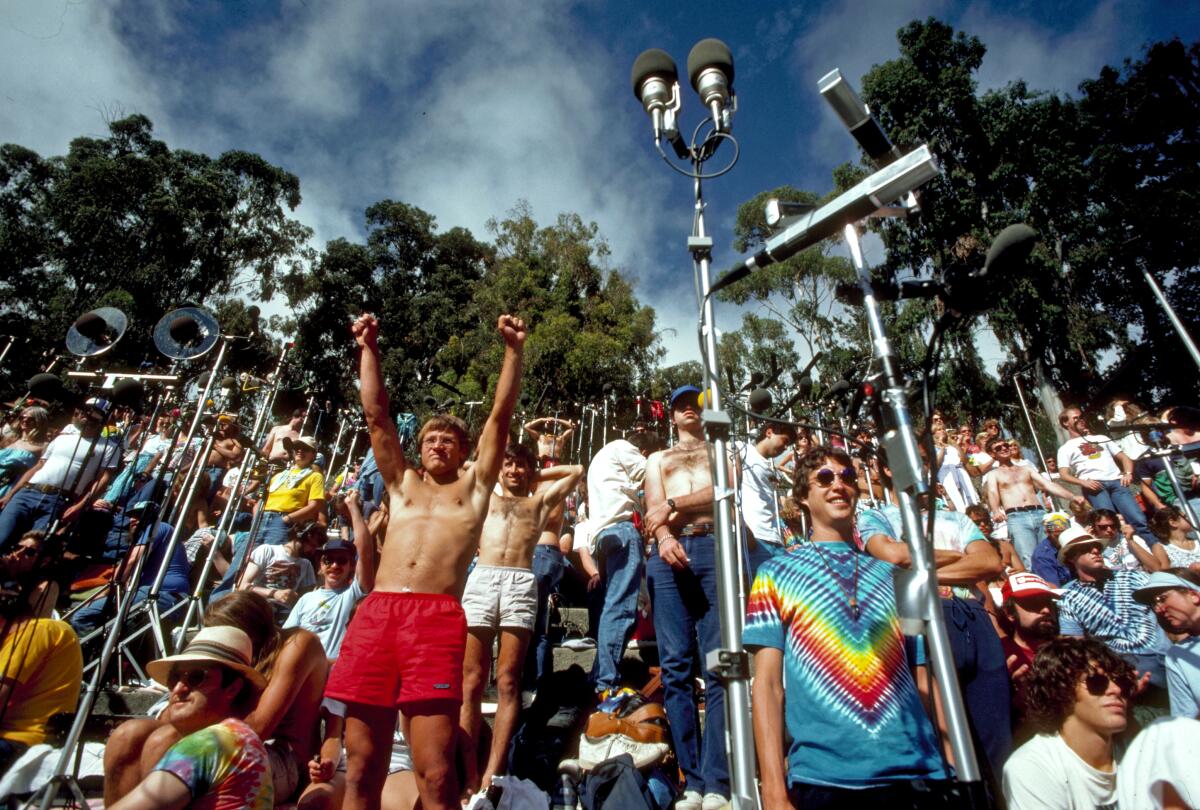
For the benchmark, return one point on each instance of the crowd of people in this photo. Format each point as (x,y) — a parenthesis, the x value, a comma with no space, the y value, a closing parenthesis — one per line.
(353,623)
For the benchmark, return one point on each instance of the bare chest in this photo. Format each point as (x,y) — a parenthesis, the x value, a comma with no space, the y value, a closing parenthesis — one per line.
(685,470)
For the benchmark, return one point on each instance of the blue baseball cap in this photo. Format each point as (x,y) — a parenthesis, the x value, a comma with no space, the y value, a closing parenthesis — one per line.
(683,390)
(339,545)
(1161,581)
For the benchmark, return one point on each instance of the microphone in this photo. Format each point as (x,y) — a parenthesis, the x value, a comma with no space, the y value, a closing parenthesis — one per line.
(837,389)
(857,118)
(656,85)
(710,70)
(92,327)
(253,312)
(759,401)
(889,183)
(185,330)
(128,392)
(967,291)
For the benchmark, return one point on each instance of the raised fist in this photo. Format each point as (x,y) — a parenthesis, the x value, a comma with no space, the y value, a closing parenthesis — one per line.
(512,329)
(365,330)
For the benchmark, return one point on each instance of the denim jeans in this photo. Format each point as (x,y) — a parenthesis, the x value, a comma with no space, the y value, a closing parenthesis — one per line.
(547,572)
(272,531)
(241,547)
(983,678)
(1026,530)
(28,509)
(619,554)
(1118,498)
(687,623)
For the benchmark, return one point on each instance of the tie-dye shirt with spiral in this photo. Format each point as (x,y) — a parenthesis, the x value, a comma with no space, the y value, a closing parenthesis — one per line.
(851,705)
(224,766)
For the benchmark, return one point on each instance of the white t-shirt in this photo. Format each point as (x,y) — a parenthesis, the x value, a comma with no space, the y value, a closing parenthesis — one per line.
(327,614)
(1118,557)
(615,478)
(760,503)
(68,452)
(1090,457)
(1164,753)
(1045,774)
(279,570)
(1182,557)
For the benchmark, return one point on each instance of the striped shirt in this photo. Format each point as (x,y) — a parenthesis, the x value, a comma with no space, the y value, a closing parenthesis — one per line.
(1107,611)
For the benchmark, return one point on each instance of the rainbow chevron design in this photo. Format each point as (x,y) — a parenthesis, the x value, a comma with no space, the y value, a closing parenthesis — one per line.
(852,669)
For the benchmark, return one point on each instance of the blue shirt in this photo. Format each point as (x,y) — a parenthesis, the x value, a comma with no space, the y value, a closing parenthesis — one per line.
(850,703)
(1046,565)
(952,531)
(1183,677)
(1111,615)
(178,570)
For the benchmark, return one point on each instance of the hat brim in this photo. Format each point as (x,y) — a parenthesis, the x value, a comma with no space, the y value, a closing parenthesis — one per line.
(160,668)
(1145,596)
(1062,552)
(291,444)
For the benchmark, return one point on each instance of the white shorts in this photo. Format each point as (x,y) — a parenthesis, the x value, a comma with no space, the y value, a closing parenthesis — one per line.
(497,596)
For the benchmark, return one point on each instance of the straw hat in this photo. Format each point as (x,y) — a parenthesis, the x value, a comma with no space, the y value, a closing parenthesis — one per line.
(228,646)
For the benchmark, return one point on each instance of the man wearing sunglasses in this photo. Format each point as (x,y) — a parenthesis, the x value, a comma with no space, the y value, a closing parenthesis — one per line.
(1174,596)
(219,762)
(1079,693)
(74,469)
(1011,490)
(822,622)
(681,575)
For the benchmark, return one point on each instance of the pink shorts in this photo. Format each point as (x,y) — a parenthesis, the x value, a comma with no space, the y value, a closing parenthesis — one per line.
(402,650)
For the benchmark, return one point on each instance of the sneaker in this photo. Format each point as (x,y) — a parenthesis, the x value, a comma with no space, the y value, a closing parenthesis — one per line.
(714,801)
(690,800)
(579,644)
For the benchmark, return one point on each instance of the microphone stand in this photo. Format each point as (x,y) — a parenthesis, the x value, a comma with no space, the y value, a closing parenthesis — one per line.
(1029,421)
(337,443)
(916,592)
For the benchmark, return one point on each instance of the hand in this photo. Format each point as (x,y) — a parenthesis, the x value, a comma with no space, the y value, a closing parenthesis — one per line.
(72,512)
(1126,479)
(366,331)
(4,501)
(1126,530)
(320,770)
(594,581)
(1080,502)
(512,329)
(775,799)
(670,550)
(656,518)
(1143,682)
(353,500)
(1090,485)
(999,516)
(1016,671)
(285,595)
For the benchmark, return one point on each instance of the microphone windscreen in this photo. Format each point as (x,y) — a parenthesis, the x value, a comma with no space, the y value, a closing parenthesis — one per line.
(45,386)
(654,62)
(91,326)
(709,53)
(839,387)
(184,330)
(760,400)
(228,382)
(127,392)
(1011,247)
(253,312)
(756,378)
(806,387)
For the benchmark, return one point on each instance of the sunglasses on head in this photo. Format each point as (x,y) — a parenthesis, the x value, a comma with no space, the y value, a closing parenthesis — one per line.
(1097,684)
(826,476)
(192,677)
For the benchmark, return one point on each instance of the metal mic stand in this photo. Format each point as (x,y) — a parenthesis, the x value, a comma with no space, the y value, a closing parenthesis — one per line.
(916,588)
(343,418)
(1029,421)
(1165,454)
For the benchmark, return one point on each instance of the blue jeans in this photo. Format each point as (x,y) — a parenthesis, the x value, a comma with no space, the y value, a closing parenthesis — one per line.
(547,572)
(1026,530)
(89,617)
(982,676)
(241,547)
(688,625)
(271,530)
(1118,498)
(619,555)
(28,509)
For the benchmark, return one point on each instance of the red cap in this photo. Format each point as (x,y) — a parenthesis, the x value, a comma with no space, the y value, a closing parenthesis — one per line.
(1026,584)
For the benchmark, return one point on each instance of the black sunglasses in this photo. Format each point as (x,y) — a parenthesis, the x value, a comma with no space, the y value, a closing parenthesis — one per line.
(825,476)
(192,677)
(26,551)
(1097,684)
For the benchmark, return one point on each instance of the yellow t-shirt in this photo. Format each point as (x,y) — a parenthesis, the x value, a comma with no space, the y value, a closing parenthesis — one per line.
(42,659)
(284,496)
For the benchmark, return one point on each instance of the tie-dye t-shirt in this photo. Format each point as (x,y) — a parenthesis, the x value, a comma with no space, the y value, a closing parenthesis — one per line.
(851,705)
(224,766)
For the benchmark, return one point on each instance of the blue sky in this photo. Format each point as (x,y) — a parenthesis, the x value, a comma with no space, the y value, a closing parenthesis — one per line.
(463,108)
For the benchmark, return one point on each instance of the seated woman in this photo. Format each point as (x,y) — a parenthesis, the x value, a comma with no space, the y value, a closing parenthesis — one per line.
(23,453)
(286,715)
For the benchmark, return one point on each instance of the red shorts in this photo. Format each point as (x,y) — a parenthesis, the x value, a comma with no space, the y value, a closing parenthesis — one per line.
(402,650)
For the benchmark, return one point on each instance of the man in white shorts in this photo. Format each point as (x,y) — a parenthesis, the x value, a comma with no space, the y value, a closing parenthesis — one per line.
(501,596)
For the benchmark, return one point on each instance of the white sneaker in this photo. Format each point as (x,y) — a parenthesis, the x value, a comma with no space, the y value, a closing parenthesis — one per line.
(690,800)
(714,801)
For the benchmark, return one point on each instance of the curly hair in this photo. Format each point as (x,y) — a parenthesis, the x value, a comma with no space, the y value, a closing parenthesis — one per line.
(1050,686)
(812,461)
(1160,524)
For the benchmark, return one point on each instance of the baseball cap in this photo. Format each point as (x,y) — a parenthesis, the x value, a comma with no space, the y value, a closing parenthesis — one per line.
(1161,581)
(1056,519)
(1027,584)
(98,404)
(682,391)
(1074,539)
(339,545)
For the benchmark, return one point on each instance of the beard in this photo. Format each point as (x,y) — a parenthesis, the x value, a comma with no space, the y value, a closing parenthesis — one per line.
(1044,629)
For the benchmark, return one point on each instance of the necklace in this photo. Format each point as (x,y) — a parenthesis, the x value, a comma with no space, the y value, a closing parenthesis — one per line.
(851,596)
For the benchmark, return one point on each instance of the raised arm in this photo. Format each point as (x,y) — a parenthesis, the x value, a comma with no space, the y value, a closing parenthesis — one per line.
(385,441)
(553,495)
(495,431)
(534,427)
(363,542)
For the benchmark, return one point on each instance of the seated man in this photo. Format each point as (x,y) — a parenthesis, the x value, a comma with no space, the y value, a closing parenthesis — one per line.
(1045,557)
(282,573)
(41,671)
(347,575)
(1078,696)
(220,762)
(1174,596)
(829,663)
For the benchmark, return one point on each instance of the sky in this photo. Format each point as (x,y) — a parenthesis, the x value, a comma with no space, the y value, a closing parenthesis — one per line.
(465,108)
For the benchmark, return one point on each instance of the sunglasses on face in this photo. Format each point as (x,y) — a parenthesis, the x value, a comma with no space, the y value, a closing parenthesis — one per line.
(1103,527)
(192,677)
(825,476)
(335,560)
(1097,684)
(25,551)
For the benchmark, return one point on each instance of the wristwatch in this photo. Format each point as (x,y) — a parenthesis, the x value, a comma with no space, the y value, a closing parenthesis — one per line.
(671,504)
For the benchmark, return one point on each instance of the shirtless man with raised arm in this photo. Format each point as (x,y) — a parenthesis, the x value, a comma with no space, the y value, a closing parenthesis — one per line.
(1010,490)
(501,596)
(553,435)
(404,648)
(681,575)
